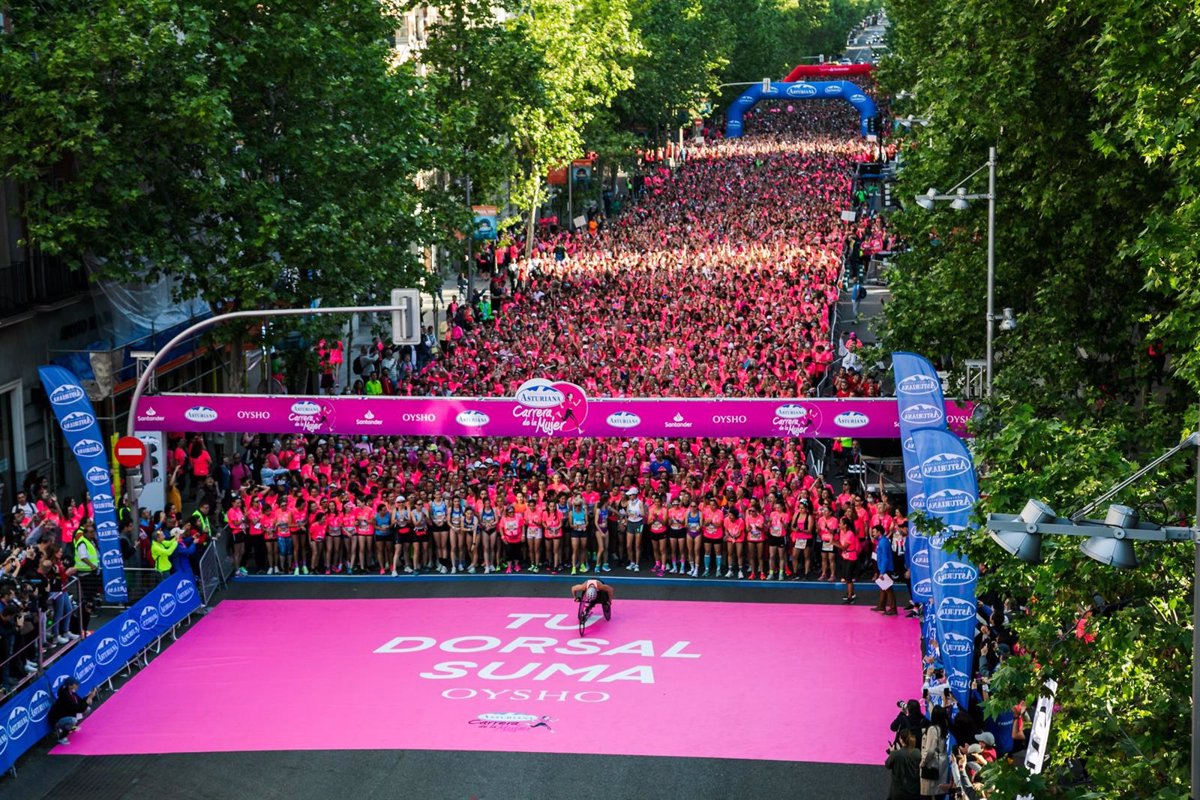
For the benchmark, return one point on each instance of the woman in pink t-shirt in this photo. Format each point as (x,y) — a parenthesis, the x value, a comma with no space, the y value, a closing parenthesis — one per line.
(847,545)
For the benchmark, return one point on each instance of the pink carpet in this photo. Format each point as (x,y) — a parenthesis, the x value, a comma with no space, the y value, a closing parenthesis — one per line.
(662,678)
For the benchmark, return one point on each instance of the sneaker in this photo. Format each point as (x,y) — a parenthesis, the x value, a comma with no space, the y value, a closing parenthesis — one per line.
(508,570)
(381,572)
(629,567)
(637,567)
(442,569)
(729,573)
(534,568)
(597,569)
(705,575)
(517,566)
(454,570)
(327,570)
(62,740)
(337,569)
(762,576)
(607,568)
(408,570)
(573,568)
(395,574)
(243,571)
(471,569)
(847,600)
(740,576)
(304,570)
(62,639)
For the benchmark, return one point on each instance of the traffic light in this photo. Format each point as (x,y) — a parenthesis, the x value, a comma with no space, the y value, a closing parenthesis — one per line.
(150,480)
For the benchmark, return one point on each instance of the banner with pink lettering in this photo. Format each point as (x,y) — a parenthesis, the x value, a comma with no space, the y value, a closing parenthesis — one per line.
(540,408)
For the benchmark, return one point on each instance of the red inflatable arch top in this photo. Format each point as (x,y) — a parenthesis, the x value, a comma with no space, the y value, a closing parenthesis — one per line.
(827,70)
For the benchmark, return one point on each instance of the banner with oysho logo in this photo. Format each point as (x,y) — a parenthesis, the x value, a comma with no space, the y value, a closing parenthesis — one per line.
(948,474)
(548,408)
(77,420)
(919,396)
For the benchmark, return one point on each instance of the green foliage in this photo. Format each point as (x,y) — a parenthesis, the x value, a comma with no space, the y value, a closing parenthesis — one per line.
(1092,108)
(259,155)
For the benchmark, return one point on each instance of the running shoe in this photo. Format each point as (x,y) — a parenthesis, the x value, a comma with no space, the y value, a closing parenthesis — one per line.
(597,568)
(471,569)
(533,568)
(729,573)
(395,574)
(243,571)
(637,567)
(572,569)
(705,575)
(327,570)
(508,570)
(381,571)
(517,566)
(441,569)
(740,576)
(607,568)
(407,569)
(304,570)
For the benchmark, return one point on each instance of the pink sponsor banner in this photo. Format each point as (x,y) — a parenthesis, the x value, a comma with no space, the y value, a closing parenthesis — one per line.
(540,408)
(661,678)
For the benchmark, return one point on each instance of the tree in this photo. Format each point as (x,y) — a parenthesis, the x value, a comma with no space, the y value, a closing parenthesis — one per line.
(259,155)
(686,46)
(1088,107)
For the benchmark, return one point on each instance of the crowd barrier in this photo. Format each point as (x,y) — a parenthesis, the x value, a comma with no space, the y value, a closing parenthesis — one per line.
(94,661)
(37,651)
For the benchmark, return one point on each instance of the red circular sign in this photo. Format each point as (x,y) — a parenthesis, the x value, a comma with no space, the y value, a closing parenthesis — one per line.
(130,451)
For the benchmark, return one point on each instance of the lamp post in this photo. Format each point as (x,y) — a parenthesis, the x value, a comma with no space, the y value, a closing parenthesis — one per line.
(1110,541)
(960,200)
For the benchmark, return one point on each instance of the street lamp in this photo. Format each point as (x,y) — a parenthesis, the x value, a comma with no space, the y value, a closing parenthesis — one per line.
(960,200)
(1110,542)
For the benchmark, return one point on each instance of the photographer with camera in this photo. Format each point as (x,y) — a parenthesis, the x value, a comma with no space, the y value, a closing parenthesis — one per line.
(69,708)
(14,621)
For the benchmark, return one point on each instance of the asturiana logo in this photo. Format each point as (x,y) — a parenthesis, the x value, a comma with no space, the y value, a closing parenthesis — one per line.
(306,408)
(148,618)
(923,588)
(85,667)
(39,705)
(801,90)
(97,476)
(918,384)
(909,445)
(833,88)
(111,559)
(958,680)
(185,591)
(624,419)
(921,414)
(102,503)
(949,501)
(106,531)
(955,573)
(955,609)
(129,633)
(921,558)
(851,419)
(166,605)
(539,394)
(116,587)
(65,395)
(917,501)
(857,98)
(107,650)
(470,418)
(955,644)
(914,474)
(200,414)
(77,421)
(3,740)
(86,448)
(18,721)
(945,465)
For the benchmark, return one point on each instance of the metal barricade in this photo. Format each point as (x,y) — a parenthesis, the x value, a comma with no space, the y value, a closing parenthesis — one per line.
(140,581)
(31,659)
(216,565)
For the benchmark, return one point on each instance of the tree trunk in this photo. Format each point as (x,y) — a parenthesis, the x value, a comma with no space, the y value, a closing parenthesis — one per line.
(533,207)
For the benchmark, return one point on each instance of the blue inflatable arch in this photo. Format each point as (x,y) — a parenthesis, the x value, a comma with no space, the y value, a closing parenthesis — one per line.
(799,90)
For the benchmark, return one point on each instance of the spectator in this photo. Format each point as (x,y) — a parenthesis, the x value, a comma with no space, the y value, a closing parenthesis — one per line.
(935,767)
(160,553)
(904,762)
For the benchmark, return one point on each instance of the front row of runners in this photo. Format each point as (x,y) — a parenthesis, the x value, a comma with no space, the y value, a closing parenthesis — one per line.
(761,540)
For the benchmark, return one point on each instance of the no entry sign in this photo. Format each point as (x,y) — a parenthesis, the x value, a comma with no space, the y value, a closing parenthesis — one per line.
(130,451)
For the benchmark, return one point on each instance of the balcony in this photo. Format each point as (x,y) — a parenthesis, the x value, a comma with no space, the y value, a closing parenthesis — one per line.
(45,280)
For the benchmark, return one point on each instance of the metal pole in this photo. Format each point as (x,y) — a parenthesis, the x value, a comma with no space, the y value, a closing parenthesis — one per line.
(138,390)
(470,246)
(991,262)
(1196,645)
